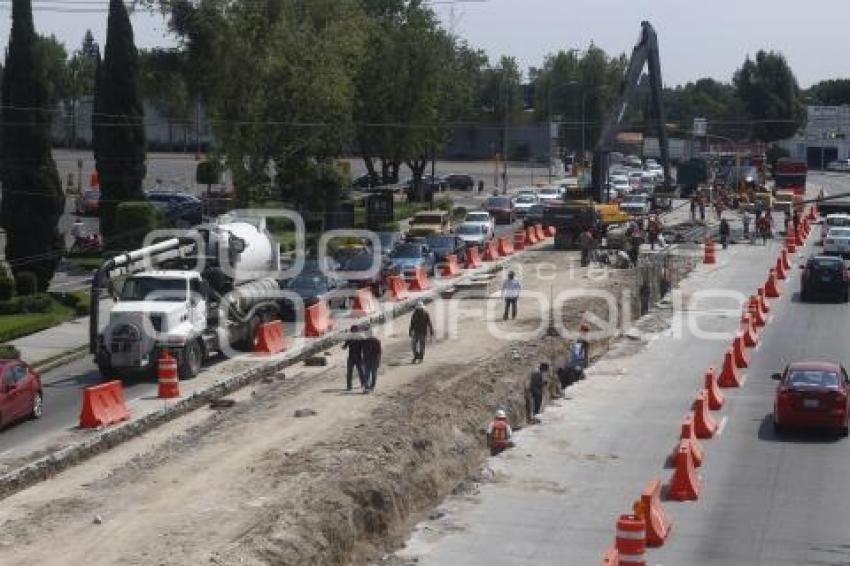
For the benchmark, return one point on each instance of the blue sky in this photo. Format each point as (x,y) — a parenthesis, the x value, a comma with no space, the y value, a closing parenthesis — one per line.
(698,38)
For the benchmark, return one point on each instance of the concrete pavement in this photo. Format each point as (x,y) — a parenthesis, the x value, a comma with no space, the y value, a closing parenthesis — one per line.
(554,498)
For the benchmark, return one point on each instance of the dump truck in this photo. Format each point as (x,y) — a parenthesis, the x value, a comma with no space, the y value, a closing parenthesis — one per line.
(570,218)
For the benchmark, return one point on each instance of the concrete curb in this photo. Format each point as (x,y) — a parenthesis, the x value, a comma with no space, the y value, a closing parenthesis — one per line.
(64,358)
(102,440)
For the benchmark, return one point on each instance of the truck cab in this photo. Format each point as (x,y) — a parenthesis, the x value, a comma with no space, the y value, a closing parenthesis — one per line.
(155,310)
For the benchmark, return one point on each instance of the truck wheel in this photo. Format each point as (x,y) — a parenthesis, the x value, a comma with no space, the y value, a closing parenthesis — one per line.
(191,360)
(247,345)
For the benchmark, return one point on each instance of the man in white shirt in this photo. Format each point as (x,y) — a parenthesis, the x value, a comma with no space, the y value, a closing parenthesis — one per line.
(511,289)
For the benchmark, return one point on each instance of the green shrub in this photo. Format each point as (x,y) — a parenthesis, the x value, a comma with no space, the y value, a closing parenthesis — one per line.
(68,299)
(445,203)
(26,283)
(9,352)
(7,286)
(38,303)
(82,310)
(459,212)
(136,219)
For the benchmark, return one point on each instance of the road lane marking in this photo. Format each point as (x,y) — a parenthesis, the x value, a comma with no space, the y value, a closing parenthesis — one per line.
(722,425)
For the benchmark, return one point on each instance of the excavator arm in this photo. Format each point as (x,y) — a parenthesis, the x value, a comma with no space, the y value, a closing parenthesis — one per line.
(644,54)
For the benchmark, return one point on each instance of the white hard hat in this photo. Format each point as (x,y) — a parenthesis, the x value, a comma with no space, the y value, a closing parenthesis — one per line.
(420,304)
(500,414)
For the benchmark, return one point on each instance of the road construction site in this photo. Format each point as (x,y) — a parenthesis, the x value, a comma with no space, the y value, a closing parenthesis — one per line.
(298,470)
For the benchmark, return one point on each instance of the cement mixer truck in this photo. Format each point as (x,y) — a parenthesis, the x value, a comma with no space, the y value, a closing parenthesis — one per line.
(204,292)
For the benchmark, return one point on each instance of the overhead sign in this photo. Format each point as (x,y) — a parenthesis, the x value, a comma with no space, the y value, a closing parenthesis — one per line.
(700,127)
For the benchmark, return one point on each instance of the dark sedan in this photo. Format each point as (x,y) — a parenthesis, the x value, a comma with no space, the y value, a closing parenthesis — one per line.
(182,210)
(312,288)
(824,275)
(443,246)
(501,209)
(534,215)
(364,270)
(460,182)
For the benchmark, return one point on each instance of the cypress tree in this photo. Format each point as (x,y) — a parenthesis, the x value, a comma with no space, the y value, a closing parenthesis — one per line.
(119,131)
(33,200)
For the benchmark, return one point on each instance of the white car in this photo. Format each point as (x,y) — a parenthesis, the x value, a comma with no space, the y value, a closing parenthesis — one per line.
(481,218)
(620,186)
(648,182)
(636,205)
(831,220)
(473,234)
(837,241)
(524,201)
(547,194)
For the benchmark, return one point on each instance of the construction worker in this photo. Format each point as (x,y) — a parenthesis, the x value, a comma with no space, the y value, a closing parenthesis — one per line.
(354,345)
(724,233)
(586,243)
(511,290)
(653,230)
(420,329)
(371,360)
(499,433)
(536,387)
(745,220)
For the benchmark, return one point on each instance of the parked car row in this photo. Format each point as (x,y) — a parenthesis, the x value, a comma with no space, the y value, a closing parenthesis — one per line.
(453,181)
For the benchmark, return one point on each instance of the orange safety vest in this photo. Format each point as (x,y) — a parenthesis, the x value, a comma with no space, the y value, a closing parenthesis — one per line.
(500,433)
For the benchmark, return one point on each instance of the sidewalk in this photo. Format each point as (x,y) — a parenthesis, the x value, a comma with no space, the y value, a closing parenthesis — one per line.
(59,340)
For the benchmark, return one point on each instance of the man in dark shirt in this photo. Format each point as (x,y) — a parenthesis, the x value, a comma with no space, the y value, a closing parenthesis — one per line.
(371,360)
(420,329)
(354,345)
(536,386)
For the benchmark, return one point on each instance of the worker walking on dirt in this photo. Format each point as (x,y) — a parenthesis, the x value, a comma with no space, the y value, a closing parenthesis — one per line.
(745,220)
(499,433)
(536,387)
(586,242)
(653,231)
(511,289)
(724,233)
(354,345)
(420,329)
(371,360)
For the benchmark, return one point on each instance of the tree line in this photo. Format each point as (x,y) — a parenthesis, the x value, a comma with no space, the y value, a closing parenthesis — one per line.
(290,85)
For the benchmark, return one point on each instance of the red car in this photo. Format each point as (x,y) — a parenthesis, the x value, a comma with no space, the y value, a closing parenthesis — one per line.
(20,392)
(501,208)
(812,394)
(88,202)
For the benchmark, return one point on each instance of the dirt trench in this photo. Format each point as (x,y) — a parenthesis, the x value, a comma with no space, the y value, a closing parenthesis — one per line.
(359,496)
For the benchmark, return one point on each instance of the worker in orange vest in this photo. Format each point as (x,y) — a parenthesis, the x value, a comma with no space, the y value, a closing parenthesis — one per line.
(499,433)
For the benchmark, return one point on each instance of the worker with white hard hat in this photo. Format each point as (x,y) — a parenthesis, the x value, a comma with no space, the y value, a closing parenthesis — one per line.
(499,433)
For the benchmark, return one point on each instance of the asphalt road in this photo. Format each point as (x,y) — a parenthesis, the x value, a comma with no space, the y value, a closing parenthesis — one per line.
(768,498)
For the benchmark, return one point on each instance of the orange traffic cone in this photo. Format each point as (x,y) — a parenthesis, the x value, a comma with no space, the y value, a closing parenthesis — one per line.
(715,396)
(684,485)
(790,239)
(780,270)
(786,261)
(729,376)
(687,434)
(166,375)
(709,256)
(738,353)
(755,310)
(750,335)
(771,289)
(765,308)
(704,424)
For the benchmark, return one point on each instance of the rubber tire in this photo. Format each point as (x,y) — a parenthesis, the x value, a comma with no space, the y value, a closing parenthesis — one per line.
(845,297)
(191,360)
(804,296)
(37,406)
(779,429)
(844,431)
(247,345)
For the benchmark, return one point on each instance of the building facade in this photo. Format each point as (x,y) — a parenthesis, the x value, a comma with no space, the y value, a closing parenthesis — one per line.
(824,138)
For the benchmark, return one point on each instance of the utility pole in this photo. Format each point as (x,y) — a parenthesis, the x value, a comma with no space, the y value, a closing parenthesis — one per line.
(505,135)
